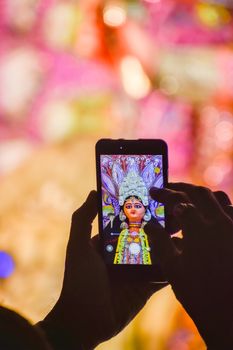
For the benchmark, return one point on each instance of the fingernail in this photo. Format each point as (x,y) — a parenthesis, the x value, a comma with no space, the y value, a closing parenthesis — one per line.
(179,209)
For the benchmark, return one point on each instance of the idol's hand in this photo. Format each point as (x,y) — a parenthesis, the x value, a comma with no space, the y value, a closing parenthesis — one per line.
(92,308)
(201,272)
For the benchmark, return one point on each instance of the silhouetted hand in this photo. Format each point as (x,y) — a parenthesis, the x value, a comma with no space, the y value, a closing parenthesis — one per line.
(91,308)
(201,271)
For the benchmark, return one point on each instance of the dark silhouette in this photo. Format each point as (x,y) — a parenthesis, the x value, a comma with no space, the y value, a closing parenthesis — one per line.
(17,333)
(201,270)
(92,307)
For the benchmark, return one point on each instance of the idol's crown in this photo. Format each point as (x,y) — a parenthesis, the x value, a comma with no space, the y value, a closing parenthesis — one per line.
(133,185)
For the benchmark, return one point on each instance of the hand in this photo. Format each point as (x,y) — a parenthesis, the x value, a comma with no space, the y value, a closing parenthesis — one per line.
(92,308)
(201,270)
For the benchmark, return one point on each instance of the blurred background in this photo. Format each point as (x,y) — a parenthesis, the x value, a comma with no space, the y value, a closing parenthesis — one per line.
(74,71)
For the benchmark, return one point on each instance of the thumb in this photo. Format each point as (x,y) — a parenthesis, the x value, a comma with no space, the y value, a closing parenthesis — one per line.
(82,218)
(164,248)
(190,221)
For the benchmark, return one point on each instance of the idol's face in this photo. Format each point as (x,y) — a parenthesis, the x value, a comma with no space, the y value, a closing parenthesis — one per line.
(134,209)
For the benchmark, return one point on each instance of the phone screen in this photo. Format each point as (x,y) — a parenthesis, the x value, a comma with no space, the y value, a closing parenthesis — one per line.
(127,206)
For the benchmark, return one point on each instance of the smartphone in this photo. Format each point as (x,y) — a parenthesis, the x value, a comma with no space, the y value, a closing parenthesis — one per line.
(126,170)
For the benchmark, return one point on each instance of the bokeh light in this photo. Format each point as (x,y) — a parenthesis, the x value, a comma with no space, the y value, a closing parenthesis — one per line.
(6,265)
(134,79)
(114,15)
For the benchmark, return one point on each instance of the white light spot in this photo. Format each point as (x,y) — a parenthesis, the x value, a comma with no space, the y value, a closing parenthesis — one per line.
(13,153)
(135,81)
(57,121)
(114,15)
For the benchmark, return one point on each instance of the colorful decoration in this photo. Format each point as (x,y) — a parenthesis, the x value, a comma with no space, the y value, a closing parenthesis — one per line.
(126,180)
(133,248)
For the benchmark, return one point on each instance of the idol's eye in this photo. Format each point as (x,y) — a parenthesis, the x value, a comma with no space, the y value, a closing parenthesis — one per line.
(137,206)
(128,206)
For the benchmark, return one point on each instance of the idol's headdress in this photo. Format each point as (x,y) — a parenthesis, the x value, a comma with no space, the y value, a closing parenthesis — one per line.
(125,176)
(133,185)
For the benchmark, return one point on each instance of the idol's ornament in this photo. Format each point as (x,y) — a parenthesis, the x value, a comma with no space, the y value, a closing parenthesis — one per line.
(127,207)
(133,246)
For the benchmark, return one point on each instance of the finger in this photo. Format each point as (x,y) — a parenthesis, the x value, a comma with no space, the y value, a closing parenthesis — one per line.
(169,198)
(82,219)
(164,249)
(229,211)
(225,202)
(95,242)
(202,197)
(178,243)
(191,223)
(172,225)
(222,198)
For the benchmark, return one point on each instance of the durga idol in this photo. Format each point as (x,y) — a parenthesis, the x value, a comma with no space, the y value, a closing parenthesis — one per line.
(132,245)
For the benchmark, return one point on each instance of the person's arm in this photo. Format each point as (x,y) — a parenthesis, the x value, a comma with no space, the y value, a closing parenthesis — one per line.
(201,273)
(92,307)
(58,336)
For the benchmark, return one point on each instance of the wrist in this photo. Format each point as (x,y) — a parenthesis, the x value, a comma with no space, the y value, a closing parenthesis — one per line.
(59,337)
(218,338)
(65,328)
